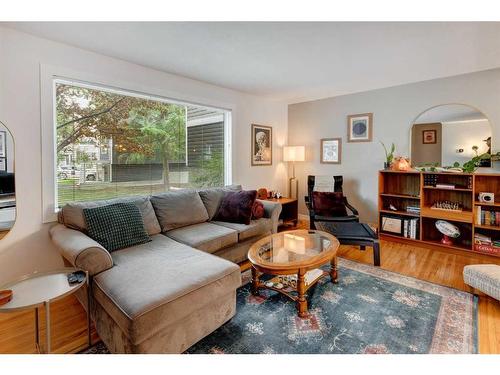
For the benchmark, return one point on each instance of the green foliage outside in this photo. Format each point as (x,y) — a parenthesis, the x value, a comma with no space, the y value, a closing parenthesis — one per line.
(142,131)
(210,174)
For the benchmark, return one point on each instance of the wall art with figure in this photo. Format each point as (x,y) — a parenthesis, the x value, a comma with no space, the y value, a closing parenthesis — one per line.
(262,145)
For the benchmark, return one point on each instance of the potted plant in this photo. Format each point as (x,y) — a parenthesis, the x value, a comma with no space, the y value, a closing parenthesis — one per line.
(389,155)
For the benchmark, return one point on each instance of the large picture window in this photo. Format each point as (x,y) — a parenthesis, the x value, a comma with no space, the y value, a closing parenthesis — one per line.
(111,144)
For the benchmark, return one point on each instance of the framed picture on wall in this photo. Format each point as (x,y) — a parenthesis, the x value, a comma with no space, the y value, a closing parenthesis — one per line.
(429,137)
(331,150)
(3,165)
(3,144)
(262,145)
(359,127)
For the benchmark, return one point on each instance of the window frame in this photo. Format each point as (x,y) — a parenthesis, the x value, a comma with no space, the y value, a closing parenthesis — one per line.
(51,76)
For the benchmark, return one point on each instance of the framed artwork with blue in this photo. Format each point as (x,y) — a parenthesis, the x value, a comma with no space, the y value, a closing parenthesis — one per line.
(360,127)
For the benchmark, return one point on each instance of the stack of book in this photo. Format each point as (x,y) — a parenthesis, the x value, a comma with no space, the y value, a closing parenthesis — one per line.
(413,209)
(410,228)
(485,244)
(445,186)
(487,217)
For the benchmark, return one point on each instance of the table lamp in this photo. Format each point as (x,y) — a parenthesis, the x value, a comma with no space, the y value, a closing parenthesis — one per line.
(293,154)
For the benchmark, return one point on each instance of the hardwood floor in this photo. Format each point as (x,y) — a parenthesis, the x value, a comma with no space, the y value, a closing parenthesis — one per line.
(440,267)
(68,329)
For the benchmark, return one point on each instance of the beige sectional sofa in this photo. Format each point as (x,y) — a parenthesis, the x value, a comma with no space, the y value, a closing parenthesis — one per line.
(165,295)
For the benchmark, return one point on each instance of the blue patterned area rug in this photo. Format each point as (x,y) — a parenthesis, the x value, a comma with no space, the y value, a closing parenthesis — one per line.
(370,310)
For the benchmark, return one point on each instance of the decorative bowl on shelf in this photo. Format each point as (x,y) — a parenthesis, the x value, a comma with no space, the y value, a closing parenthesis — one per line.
(448,231)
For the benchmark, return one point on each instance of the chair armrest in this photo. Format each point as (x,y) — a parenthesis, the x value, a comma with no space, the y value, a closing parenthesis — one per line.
(353,210)
(272,210)
(81,250)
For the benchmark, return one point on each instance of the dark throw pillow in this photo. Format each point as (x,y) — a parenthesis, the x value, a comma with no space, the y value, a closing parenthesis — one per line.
(116,226)
(329,204)
(236,207)
(257,210)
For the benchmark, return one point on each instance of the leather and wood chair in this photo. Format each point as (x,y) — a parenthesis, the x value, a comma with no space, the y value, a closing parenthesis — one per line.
(339,209)
(336,216)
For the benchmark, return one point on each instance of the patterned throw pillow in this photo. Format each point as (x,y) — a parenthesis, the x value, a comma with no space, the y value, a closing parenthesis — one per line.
(257,210)
(116,226)
(236,207)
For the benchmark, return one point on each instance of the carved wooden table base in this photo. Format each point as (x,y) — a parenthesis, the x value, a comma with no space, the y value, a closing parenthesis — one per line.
(301,287)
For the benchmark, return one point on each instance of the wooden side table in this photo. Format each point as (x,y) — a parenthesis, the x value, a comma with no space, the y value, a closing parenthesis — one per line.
(289,211)
(42,288)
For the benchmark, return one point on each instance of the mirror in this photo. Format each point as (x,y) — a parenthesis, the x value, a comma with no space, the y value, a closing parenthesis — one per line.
(450,133)
(7,181)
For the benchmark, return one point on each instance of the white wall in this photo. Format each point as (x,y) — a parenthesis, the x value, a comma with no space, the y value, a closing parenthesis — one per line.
(463,134)
(394,111)
(27,247)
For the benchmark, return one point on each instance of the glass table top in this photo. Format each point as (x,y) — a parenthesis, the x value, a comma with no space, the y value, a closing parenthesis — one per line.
(292,247)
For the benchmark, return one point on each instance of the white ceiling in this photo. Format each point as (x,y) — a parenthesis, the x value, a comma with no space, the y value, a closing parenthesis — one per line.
(290,61)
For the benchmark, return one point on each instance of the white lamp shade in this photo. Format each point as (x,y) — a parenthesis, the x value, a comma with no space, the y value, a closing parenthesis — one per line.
(294,153)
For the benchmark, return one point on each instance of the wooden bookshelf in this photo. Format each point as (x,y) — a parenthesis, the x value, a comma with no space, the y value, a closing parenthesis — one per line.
(477,203)
(408,189)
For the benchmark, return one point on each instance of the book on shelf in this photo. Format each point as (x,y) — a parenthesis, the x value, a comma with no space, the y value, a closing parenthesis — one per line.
(485,244)
(413,209)
(410,228)
(487,217)
(445,186)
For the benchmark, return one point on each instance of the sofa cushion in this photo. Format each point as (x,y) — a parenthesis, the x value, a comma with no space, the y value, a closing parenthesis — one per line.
(212,197)
(178,281)
(116,226)
(71,215)
(236,207)
(255,228)
(176,209)
(205,236)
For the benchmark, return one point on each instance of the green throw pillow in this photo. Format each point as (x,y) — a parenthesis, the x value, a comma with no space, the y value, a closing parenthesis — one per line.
(116,226)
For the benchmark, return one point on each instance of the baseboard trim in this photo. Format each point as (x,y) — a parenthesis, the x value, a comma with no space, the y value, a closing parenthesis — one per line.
(303,217)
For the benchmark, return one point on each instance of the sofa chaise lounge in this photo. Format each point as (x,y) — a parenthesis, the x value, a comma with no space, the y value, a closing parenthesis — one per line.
(164,295)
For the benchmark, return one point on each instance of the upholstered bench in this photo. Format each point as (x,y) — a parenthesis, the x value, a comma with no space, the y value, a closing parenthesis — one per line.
(485,278)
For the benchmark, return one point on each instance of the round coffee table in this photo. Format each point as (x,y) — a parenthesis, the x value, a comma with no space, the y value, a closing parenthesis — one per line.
(42,288)
(294,258)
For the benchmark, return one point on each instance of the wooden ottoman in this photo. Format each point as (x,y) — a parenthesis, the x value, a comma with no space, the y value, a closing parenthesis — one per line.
(485,278)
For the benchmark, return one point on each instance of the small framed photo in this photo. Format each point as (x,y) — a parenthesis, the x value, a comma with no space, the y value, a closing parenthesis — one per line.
(3,165)
(392,225)
(331,150)
(429,137)
(359,127)
(3,144)
(262,145)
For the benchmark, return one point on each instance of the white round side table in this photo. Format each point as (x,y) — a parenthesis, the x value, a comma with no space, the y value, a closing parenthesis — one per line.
(42,288)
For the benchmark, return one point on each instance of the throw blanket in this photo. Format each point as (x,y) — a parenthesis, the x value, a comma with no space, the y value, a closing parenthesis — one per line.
(324,183)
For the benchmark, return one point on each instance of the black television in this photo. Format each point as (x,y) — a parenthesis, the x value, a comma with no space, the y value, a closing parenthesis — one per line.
(7,185)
